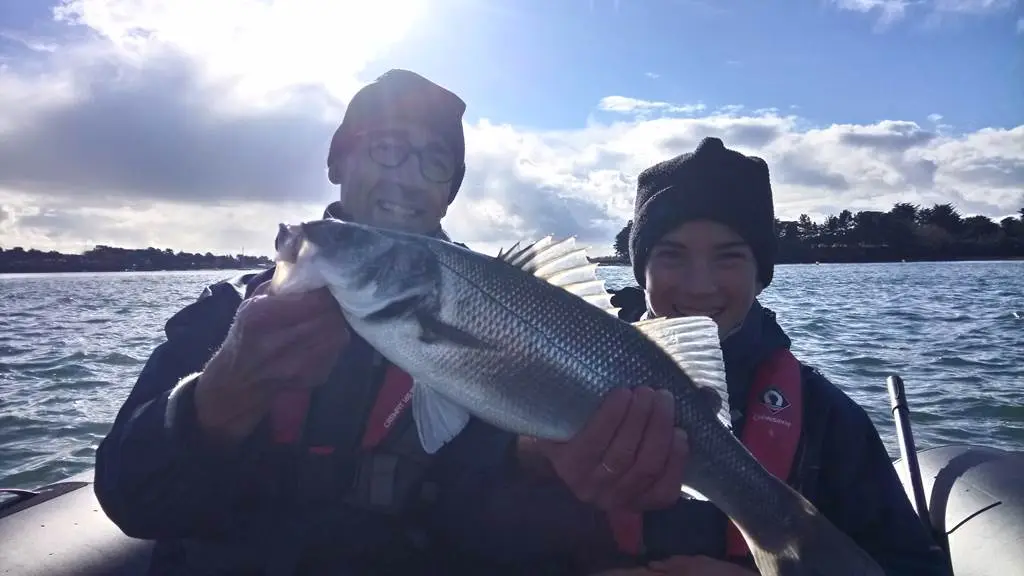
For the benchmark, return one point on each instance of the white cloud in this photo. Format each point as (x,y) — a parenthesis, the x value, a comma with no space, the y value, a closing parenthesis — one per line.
(626,105)
(149,136)
(891,11)
(978,7)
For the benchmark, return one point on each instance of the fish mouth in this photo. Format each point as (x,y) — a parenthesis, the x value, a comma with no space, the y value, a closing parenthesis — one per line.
(288,242)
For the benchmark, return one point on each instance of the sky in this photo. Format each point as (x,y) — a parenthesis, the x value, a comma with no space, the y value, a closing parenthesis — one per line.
(199,126)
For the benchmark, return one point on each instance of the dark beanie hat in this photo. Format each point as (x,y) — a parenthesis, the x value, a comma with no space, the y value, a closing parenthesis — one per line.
(710,183)
(402,94)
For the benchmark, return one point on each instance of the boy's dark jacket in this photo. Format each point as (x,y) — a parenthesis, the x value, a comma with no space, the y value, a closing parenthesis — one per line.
(231,512)
(842,466)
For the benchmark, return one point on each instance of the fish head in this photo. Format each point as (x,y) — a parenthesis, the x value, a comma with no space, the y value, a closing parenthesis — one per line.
(369,270)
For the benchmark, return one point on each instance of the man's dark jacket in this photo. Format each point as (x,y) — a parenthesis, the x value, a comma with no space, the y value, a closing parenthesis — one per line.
(266,507)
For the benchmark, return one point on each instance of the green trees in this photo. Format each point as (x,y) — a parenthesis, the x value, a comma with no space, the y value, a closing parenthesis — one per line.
(905,232)
(112,259)
(621,245)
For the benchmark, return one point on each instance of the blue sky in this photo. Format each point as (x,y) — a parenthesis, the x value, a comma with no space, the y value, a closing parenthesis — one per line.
(121,120)
(546,63)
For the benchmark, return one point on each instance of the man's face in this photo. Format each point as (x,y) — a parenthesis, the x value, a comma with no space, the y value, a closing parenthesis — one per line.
(398,176)
(702,268)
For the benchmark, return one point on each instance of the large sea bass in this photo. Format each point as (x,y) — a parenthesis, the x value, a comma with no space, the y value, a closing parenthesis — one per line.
(530,343)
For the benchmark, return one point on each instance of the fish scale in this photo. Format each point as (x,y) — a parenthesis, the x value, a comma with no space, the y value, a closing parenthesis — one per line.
(530,343)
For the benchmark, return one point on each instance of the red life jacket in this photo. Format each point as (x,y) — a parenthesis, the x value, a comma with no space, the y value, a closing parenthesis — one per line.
(288,412)
(771,432)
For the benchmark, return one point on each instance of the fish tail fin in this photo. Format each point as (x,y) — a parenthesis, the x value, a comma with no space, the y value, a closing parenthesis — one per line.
(693,342)
(815,548)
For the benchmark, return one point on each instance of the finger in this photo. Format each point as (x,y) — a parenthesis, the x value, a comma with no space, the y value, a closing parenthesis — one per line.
(302,359)
(264,348)
(655,446)
(621,453)
(576,459)
(665,491)
(262,289)
(305,366)
(681,565)
(266,316)
(268,311)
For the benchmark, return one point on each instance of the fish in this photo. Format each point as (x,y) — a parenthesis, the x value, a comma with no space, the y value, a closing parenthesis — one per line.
(529,342)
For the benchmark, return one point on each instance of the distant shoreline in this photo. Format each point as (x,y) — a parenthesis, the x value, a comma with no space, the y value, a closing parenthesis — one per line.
(238,269)
(601,261)
(610,261)
(113,259)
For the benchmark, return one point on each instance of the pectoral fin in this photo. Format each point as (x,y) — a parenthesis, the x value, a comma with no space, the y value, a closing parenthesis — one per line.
(433,330)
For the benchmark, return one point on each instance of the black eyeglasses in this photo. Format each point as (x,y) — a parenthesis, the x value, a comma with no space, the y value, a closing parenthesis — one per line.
(437,162)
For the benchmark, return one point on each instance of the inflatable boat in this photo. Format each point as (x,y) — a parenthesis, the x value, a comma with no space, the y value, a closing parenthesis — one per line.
(971,497)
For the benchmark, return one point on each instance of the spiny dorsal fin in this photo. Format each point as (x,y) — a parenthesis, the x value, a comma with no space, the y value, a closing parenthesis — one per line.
(562,264)
(693,343)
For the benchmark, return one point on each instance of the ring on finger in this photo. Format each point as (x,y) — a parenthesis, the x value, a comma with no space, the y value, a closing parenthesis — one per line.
(608,468)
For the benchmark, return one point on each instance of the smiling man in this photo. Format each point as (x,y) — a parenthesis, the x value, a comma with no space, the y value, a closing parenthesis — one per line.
(386,125)
(263,437)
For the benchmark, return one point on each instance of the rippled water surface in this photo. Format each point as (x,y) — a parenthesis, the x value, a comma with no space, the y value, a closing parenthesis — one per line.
(72,345)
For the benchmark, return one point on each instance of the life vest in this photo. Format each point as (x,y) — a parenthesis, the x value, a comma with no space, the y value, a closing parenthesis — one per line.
(771,432)
(389,466)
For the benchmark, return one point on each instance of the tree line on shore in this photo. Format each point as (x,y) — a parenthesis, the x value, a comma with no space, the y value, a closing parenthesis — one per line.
(113,259)
(906,232)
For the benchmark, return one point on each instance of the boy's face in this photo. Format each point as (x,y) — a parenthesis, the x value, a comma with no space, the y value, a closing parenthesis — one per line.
(385,184)
(702,268)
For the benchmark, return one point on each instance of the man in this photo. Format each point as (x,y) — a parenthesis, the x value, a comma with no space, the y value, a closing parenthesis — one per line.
(703,243)
(263,437)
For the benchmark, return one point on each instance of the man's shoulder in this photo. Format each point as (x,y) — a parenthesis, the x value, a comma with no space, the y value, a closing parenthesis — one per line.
(216,303)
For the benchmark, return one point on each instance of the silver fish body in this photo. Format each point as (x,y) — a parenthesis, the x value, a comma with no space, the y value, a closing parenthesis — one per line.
(530,343)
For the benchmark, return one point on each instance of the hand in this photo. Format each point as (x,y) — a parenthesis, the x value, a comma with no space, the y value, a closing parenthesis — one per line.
(628,457)
(698,566)
(638,571)
(276,342)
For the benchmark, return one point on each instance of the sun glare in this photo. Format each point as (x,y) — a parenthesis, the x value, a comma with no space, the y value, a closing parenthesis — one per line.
(263,45)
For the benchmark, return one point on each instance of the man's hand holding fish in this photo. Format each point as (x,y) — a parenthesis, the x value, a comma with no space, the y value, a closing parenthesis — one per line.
(276,342)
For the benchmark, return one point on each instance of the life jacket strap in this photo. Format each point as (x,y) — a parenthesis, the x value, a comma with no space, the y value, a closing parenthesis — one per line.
(771,432)
(772,426)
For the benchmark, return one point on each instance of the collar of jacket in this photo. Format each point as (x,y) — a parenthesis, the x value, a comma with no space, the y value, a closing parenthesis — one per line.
(335,211)
(746,347)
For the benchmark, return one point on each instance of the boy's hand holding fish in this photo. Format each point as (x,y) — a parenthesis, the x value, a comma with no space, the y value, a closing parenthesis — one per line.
(630,456)
(276,342)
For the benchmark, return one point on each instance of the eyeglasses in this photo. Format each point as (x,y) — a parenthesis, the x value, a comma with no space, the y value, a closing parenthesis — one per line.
(437,163)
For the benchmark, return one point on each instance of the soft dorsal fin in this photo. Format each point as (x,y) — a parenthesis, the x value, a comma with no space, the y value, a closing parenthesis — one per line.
(562,264)
(693,342)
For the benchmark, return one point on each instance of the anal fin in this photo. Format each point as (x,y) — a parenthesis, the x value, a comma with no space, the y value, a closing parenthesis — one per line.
(694,344)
